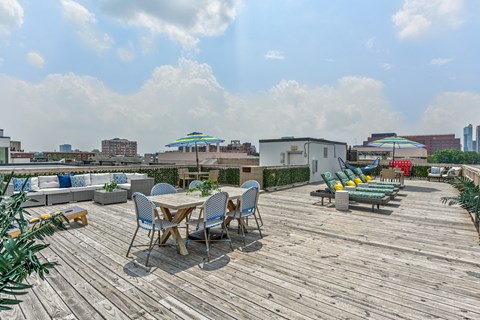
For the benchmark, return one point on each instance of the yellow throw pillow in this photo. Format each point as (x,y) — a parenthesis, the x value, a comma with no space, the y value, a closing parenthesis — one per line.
(33,220)
(338,186)
(357,180)
(368,178)
(350,183)
(46,216)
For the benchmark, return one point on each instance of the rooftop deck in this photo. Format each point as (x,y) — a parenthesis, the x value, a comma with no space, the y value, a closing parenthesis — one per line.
(413,259)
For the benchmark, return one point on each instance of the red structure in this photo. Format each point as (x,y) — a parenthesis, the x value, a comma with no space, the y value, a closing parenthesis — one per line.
(404,165)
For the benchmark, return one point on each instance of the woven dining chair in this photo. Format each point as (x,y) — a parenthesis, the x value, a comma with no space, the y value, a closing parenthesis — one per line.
(194,183)
(213,215)
(147,218)
(253,184)
(245,209)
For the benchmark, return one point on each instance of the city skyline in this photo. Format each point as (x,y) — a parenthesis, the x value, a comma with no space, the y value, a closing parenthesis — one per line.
(247,70)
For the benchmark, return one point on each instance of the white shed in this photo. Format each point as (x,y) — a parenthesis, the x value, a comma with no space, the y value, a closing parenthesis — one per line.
(321,155)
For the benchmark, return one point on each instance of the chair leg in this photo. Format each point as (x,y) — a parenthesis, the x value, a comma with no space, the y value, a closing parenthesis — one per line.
(242,227)
(259,216)
(229,239)
(205,234)
(150,246)
(258,226)
(131,243)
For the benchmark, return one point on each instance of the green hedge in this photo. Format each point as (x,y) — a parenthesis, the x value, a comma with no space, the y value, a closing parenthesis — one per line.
(230,176)
(273,177)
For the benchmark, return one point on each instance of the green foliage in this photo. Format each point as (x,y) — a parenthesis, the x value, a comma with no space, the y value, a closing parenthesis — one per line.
(420,171)
(229,176)
(205,188)
(468,198)
(454,156)
(18,256)
(110,187)
(284,176)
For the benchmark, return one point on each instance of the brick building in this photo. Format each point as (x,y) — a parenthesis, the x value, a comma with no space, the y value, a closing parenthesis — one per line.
(119,147)
(437,142)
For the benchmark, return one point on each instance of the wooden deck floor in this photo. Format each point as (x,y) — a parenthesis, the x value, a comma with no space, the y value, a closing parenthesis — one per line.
(415,259)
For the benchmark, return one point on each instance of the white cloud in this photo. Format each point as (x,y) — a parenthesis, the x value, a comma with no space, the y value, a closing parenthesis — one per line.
(440,61)
(386,66)
(35,59)
(126,54)
(186,97)
(370,43)
(417,17)
(274,55)
(85,25)
(450,112)
(182,21)
(11,15)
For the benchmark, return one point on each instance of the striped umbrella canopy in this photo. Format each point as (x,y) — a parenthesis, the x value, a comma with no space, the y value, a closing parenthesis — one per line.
(395,142)
(195,139)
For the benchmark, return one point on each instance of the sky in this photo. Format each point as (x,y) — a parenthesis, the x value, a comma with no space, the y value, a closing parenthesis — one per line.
(82,71)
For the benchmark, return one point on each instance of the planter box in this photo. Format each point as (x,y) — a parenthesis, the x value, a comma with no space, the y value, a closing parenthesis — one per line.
(103,197)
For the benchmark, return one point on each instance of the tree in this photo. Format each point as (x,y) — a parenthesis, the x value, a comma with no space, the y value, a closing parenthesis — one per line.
(18,256)
(454,156)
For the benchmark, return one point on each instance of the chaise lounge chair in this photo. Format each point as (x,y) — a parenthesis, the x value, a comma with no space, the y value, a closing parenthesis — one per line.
(389,191)
(373,198)
(378,184)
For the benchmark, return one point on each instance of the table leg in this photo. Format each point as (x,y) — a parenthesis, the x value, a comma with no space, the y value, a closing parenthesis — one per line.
(181,214)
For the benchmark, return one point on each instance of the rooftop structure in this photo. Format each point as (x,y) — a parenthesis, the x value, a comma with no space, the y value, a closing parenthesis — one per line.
(4,148)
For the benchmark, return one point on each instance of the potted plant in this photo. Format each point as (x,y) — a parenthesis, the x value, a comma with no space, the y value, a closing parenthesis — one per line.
(205,188)
(19,254)
(110,187)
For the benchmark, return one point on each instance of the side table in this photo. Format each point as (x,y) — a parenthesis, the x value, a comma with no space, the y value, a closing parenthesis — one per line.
(103,197)
(341,200)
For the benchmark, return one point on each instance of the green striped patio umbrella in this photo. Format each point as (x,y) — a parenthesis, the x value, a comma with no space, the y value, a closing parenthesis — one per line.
(195,139)
(395,142)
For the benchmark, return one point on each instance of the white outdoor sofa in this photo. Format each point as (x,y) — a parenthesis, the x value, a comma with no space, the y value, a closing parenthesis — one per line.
(45,190)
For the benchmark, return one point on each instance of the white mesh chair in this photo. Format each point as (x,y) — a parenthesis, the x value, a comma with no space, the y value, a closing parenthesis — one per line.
(194,183)
(213,210)
(246,209)
(253,184)
(164,188)
(148,219)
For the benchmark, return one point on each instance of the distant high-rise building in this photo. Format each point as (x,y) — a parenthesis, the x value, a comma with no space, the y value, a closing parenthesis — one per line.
(478,139)
(119,147)
(468,138)
(474,144)
(65,148)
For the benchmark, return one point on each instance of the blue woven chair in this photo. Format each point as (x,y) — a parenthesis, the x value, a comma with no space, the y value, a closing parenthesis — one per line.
(213,215)
(163,188)
(246,208)
(148,219)
(253,184)
(194,183)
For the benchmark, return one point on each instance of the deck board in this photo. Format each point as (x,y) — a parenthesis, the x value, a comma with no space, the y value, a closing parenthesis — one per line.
(413,259)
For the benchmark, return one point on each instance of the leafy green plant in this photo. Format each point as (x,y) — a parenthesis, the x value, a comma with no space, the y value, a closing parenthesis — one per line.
(468,198)
(205,188)
(110,187)
(18,256)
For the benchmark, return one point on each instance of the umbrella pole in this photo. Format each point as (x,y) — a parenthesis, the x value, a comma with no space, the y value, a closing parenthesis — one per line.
(196,155)
(393,155)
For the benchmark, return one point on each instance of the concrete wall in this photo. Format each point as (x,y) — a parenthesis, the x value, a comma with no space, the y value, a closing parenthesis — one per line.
(303,153)
(188,158)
